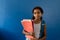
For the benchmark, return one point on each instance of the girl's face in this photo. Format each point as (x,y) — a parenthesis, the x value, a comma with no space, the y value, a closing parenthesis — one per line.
(37,14)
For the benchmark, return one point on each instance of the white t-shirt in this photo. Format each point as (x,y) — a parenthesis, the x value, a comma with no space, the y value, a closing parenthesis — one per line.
(37,28)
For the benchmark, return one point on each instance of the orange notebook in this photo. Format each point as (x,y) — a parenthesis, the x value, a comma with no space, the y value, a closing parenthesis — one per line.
(27,25)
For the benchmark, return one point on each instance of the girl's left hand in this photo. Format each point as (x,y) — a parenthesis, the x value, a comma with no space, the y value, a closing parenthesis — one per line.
(35,39)
(40,39)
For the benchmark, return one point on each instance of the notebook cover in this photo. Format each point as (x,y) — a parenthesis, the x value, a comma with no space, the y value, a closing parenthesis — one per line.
(27,25)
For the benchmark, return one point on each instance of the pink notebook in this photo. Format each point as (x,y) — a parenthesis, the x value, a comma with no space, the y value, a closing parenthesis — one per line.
(27,25)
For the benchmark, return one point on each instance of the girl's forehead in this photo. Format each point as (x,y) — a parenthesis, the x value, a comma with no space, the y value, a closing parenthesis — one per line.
(36,10)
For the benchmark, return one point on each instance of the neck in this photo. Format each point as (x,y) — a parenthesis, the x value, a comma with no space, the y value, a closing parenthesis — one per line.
(37,19)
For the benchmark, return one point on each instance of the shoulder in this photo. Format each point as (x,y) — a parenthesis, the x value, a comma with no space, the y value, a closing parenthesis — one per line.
(43,22)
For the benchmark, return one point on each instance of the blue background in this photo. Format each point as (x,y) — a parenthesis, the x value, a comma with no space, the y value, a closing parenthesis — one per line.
(13,11)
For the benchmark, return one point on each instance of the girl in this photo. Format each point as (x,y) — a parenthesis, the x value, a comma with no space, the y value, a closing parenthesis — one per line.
(38,24)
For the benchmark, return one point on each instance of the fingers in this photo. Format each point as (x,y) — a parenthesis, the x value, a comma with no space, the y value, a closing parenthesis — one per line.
(35,39)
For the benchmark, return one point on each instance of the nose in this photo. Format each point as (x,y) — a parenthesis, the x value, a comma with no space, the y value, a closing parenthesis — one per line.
(37,14)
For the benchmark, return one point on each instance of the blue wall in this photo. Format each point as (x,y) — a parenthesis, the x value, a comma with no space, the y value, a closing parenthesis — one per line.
(13,11)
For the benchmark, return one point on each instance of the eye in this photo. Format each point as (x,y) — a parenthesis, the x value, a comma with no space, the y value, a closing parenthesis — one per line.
(38,12)
(35,13)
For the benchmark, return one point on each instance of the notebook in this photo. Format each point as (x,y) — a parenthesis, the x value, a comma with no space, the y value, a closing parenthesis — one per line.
(27,25)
